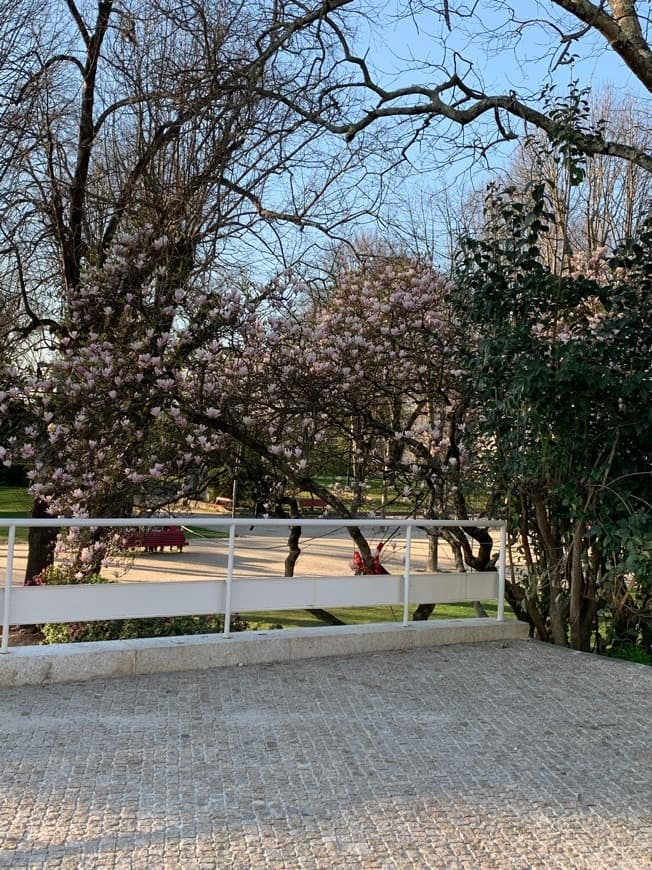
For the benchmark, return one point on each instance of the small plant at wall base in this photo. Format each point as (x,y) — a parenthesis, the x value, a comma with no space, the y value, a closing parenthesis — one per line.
(126,629)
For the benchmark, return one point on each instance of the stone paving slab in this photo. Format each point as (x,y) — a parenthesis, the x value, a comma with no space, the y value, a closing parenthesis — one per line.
(501,755)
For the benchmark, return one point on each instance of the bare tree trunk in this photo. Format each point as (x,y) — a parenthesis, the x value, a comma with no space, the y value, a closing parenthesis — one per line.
(554,562)
(294,550)
(291,561)
(424,611)
(591,597)
(433,550)
(456,549)
(576,581)
(525,533)
(515,593)
(40,553)
(536,618)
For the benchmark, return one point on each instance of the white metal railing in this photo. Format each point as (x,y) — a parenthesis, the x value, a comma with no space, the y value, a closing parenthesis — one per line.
(22,605)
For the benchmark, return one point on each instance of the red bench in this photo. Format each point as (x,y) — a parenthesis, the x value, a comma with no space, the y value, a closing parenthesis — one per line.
(153,540)
(312,503)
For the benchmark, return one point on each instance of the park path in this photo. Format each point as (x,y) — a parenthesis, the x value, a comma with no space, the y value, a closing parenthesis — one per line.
(500,755)
(256,554)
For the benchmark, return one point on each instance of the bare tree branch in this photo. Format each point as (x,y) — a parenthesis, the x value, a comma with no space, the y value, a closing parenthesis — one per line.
(622,31)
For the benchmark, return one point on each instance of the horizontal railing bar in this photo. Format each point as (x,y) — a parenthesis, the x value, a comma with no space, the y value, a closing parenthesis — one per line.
(120,600)
(226,522)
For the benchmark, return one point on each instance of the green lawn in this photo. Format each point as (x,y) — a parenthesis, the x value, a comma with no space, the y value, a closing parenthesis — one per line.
(14,502)
(196,533)
(360,615)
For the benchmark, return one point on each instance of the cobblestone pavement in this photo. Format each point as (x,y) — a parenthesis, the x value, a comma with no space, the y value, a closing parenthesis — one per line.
(480,756)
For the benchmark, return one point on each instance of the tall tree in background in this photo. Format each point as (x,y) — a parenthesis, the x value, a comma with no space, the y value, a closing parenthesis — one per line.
(138,141)
(596,202)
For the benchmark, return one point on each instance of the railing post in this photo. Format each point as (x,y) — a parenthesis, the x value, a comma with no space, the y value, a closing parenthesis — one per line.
(229,582)
(502,561)
(406,575)
(11,539)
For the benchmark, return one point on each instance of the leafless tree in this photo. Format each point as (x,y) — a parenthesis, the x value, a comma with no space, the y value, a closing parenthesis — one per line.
(119,114)
(199,116)
(149,114)
(607,205)
(452,106)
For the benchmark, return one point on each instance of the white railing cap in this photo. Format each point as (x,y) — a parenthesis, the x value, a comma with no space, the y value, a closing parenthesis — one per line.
(238,522)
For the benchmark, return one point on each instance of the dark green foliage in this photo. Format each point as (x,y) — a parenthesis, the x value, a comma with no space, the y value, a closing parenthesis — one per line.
(559,369)
(125,629)
(632,653)
(571,125)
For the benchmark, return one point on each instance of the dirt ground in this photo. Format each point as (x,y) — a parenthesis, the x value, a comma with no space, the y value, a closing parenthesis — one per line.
(24,635)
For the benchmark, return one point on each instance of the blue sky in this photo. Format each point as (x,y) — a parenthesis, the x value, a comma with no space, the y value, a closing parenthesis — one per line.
(504,53)
(495,55)
(405,51)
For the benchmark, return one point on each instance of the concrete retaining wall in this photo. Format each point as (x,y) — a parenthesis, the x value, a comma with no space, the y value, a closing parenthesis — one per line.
(64,663)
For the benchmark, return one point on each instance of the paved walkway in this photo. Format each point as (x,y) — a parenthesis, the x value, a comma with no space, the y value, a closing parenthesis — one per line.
(497,755)
(255,554)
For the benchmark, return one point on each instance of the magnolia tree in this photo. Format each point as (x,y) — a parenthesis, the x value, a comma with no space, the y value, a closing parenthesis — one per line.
(189,376)
(399,369)
(145,147)
(370,370)
(103,428)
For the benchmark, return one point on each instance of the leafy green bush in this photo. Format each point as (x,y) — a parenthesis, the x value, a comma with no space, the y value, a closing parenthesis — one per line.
(125,629)
(557,376)
(631,653)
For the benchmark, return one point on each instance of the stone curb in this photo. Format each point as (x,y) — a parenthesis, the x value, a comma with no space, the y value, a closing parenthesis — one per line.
(65,663)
